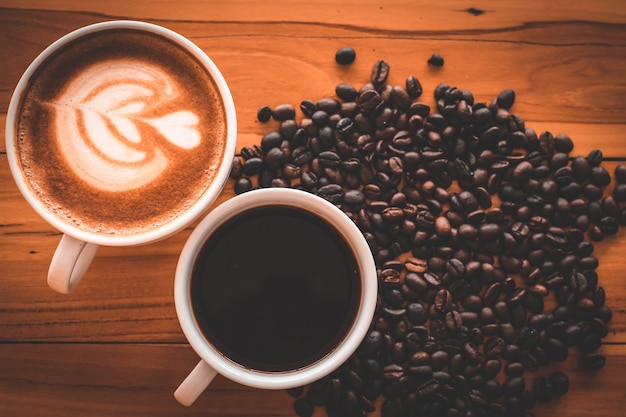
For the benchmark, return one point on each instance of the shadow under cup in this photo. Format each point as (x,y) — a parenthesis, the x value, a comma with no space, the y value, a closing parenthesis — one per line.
(275,288)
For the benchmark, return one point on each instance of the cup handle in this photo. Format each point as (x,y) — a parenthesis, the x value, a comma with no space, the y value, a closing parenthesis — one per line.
(195,383)
(69,263)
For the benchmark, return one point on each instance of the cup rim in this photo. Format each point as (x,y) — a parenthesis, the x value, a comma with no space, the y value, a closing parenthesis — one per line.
(258,198)
(189,215)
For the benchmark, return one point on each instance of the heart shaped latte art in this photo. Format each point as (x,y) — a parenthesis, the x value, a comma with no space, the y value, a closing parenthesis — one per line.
(105,126)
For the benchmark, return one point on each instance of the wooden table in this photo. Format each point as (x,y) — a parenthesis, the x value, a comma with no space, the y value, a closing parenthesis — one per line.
(114,347)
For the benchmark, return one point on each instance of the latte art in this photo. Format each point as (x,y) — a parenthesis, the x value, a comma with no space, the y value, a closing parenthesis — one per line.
(104,126)
(121,132)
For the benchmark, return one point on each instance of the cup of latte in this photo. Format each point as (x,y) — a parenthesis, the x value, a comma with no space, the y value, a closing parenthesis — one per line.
(119,133)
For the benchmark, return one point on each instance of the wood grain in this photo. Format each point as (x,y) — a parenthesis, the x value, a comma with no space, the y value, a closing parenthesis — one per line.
(127,379)
(114,346)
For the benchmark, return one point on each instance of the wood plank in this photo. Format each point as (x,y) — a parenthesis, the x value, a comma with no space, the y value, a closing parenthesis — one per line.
(392,15)
(125,379)
(294,62)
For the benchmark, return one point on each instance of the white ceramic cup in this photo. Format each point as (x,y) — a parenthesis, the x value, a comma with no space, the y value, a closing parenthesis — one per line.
(77,247)
(214,362)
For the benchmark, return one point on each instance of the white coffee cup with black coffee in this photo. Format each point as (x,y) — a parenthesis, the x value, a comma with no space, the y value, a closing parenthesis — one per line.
(275,288)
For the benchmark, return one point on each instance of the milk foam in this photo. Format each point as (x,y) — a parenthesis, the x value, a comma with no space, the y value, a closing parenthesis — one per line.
(106,126)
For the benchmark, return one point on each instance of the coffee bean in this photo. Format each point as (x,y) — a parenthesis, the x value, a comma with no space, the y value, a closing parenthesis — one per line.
(428,388)
(413,87)
(345,55)
(469,288)
(436,60)
(243,185)
(264,114)
(346,92)
(513,387)
(506,99)
(455,268)
(543,389)
(560,383)
(593,361)
(454,320)
(283,112)
(370,102)
(380,72)
(303,407)
(274,159)
(443,300)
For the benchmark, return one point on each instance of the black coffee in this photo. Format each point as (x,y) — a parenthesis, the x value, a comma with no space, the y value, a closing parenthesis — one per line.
(275,289)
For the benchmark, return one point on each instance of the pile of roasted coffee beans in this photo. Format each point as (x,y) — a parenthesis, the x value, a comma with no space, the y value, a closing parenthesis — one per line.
(482,233)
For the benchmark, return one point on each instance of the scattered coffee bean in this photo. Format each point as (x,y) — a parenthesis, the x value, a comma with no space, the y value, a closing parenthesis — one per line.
(264,114)
(345,55)
(436,60)
(481,232)
(414,87)
(380,72)
(506,99)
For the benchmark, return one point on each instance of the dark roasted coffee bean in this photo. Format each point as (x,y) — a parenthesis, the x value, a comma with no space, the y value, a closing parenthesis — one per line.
(514,369)
(563,143)
(380,72)
(346,92)
(593,361)
(236,169)
(620,173)
(369,101)
(283,112)
(345,55)
(455,268)
(491,369)
(489,231)
(443,300)
(320,118)
(264,114)
(472,353)
(560,383)
(329,159)
(543,389)
(556,349)
(454,320)
(528,338)
(243,185)
(595,157)
(590,343)
(413,87)
(354,197)
(514,387)
(303,407)
(308,108)
(609,225)
(494,347)
(400,98)
(416,265)
(274,159)
(252,166)
(436,60)
(428,388)
(506,99)
(301,156)
(248,152)
(328,105)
